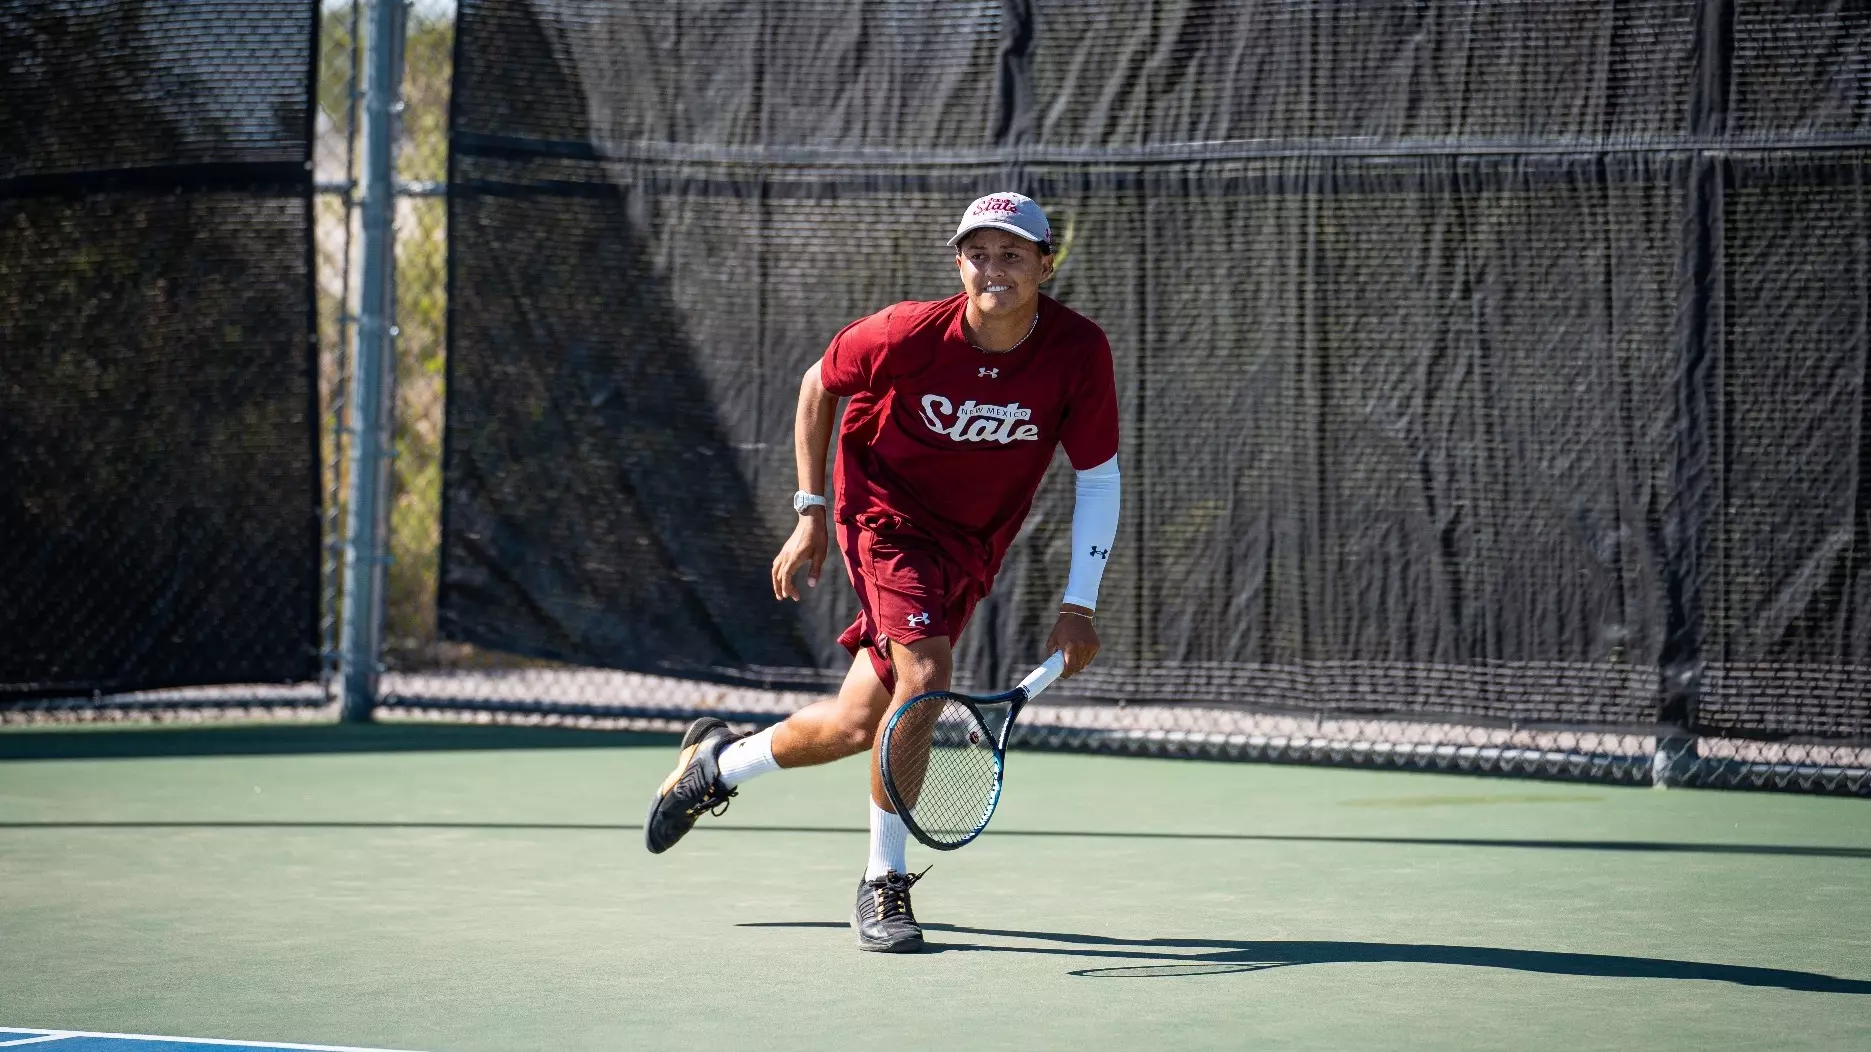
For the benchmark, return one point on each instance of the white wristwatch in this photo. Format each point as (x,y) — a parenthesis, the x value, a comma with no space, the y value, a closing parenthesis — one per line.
(803,500)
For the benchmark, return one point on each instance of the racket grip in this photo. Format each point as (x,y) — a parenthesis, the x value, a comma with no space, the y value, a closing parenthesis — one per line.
(1041,678)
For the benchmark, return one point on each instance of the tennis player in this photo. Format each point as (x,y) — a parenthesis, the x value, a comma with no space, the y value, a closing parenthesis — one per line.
(955,409)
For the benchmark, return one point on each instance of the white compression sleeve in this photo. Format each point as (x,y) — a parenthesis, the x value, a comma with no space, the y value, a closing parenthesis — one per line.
(1094,528)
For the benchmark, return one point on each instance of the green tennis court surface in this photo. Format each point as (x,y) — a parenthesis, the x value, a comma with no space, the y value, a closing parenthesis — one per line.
(461,888)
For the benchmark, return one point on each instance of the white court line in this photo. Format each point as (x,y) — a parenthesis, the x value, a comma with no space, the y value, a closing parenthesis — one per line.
(32,1040)
(55,1035)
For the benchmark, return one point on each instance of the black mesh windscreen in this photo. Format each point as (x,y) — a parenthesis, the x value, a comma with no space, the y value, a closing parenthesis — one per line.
(1801,68)
(158,479)
(1788,635)
(1114,73)
(1461,376)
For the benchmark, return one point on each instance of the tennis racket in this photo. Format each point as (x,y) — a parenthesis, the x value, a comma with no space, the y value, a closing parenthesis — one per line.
(944,755)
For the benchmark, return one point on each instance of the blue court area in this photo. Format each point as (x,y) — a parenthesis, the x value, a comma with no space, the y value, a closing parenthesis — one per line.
(80,1041)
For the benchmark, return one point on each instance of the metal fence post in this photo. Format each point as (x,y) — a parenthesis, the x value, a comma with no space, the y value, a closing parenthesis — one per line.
(364,551)
(1700,444)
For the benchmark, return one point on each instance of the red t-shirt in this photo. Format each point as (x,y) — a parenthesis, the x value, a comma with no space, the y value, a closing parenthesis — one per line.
(950,442)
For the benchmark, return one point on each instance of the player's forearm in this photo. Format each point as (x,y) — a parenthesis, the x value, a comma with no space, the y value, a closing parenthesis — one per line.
(813,422)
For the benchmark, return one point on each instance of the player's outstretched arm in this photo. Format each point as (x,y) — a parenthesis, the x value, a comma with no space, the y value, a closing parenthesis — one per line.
(806,549)
(1094,529)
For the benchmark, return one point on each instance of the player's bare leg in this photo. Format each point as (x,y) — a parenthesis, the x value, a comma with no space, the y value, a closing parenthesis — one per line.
(836,727)
(714,761)
(922,666)
(883,919)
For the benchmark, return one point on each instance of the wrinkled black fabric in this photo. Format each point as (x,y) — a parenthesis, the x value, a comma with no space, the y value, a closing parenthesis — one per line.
(158,447)
(1500,361)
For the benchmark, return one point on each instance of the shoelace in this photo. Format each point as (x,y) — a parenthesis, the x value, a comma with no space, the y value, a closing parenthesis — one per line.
(893,893)
(715,803)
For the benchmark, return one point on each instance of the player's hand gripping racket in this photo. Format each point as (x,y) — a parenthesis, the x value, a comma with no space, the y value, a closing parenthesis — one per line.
(944,754)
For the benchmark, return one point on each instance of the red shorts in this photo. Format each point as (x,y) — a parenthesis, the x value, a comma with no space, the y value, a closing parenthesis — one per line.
(908,590)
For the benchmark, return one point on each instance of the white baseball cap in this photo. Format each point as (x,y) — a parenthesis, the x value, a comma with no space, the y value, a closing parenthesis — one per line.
(1014,213)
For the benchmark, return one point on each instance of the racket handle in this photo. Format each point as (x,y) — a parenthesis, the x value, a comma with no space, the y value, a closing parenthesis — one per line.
(1041,678)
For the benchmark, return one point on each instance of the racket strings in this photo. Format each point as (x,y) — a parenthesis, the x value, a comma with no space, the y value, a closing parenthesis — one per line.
(943,768)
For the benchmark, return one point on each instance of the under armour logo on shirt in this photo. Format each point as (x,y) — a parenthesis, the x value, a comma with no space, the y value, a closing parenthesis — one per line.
(1100,553)
(918,620)
(992,374)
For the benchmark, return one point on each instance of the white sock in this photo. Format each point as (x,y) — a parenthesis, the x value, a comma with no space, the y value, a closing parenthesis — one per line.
(751,756)
(889,837)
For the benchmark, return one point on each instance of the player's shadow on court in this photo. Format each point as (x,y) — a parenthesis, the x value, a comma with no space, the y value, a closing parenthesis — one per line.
(1181,958)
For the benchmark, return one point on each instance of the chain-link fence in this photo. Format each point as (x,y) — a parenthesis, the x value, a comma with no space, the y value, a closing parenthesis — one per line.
(1445,366)
(616,166)
(335,157)
(159,493)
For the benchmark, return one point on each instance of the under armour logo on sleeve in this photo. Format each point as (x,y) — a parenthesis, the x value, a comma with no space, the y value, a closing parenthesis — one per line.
(992,374)
(1100,553)
(918,620)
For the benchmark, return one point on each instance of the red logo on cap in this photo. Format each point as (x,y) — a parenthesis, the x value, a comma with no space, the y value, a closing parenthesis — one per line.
(1002,205)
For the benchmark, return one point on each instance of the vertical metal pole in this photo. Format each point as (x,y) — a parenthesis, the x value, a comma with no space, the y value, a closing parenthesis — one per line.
(1696,573)
(364,541)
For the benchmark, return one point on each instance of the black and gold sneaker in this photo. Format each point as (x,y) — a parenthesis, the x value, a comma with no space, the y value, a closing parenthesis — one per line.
(883,919)
(693,788)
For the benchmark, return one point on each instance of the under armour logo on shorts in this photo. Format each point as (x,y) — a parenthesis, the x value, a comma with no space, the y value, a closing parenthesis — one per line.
(919,620)
(992,374)
(1100,553)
